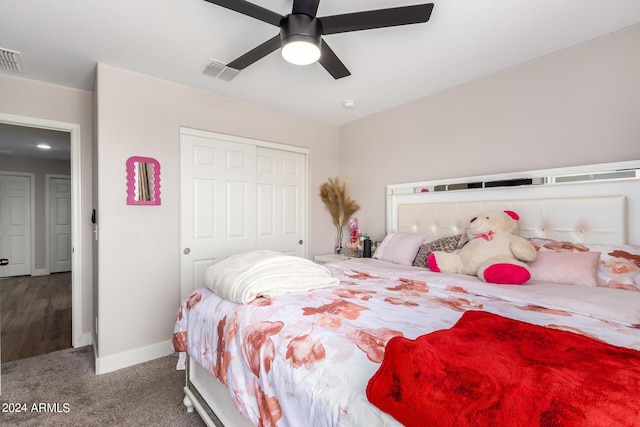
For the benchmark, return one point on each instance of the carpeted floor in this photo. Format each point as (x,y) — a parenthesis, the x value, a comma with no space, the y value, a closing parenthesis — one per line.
(61,389)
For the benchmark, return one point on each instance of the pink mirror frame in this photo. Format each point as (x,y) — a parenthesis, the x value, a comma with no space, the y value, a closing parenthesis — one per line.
(131,181)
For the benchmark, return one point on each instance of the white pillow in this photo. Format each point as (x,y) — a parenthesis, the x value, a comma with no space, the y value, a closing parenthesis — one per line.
(399,247)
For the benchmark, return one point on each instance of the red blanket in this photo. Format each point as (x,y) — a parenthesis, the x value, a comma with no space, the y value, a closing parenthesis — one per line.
(488,370)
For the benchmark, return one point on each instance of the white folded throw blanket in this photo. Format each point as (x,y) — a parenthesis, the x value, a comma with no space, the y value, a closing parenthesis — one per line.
(243,277)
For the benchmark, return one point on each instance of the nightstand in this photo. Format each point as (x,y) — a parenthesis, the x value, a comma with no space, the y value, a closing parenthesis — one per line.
(322,259)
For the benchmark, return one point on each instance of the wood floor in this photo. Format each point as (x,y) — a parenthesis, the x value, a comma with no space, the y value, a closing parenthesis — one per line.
(35,315)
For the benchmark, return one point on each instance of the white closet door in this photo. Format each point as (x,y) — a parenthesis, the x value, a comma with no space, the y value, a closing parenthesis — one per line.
(217,199)
(281,200)
(59,225)
(15,225)
(237,195)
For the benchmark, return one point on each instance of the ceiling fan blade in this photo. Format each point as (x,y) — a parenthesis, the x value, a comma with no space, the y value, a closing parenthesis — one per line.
(376,18)
(308,7)
(330,61)
(250,9)
(255,54)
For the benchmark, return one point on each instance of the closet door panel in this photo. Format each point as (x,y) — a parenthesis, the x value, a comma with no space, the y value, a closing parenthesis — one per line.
(217,204)
(284,172)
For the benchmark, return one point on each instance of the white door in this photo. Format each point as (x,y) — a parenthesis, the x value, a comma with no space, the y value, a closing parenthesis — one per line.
(15,225)
(217,193)
(59,225)
(236,196)
(281,192)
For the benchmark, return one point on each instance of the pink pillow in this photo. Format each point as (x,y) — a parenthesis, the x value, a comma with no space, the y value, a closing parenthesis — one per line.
(399,247)
(572,268)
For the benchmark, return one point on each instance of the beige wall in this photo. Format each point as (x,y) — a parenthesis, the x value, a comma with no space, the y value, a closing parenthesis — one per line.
(39,168)
(139,245)
(580,106)
(34,99)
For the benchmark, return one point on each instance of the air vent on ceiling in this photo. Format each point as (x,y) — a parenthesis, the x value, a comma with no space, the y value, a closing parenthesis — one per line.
(11,60)
(220,71)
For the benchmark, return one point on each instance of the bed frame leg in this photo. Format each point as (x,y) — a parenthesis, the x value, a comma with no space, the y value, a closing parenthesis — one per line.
(188,403)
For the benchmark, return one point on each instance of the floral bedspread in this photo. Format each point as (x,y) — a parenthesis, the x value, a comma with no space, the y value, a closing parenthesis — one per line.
(306,358)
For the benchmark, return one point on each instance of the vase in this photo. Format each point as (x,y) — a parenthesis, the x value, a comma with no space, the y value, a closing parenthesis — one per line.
(338,248)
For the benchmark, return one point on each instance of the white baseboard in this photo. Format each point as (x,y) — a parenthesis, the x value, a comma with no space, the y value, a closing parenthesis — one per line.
(83,340)
(114,362)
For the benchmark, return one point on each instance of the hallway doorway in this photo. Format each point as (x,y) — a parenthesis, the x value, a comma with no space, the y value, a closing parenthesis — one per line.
(35,241)
(72,280)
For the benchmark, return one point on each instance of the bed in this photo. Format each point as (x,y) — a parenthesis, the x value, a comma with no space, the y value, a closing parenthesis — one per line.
(321,357)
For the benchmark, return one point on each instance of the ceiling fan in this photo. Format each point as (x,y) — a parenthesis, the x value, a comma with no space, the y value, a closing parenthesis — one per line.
(301,31)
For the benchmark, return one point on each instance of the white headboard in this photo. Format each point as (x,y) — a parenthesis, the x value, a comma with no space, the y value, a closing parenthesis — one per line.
(591,204)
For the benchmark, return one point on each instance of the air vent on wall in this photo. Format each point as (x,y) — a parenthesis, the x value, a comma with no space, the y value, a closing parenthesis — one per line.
(220,71)
(11,60)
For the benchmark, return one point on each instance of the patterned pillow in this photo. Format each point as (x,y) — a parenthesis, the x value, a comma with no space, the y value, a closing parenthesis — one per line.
(542,244)
(619,266)
(446,244)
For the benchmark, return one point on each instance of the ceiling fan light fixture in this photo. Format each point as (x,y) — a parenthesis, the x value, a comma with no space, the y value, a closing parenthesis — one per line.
(301,36)
(301,31)
(301,50)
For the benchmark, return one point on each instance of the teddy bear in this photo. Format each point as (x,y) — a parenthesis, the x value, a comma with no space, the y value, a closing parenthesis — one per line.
(494,252)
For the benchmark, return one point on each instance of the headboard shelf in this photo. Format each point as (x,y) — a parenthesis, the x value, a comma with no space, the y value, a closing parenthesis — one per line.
(607,171)
(588,204)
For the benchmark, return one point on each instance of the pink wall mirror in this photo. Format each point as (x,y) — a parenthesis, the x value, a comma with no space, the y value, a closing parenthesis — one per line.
(143,181)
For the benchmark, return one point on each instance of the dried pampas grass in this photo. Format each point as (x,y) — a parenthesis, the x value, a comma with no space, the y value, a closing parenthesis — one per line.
(341,207)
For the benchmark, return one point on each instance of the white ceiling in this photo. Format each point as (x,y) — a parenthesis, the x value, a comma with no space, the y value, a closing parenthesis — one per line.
(22,141)
(61,41)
